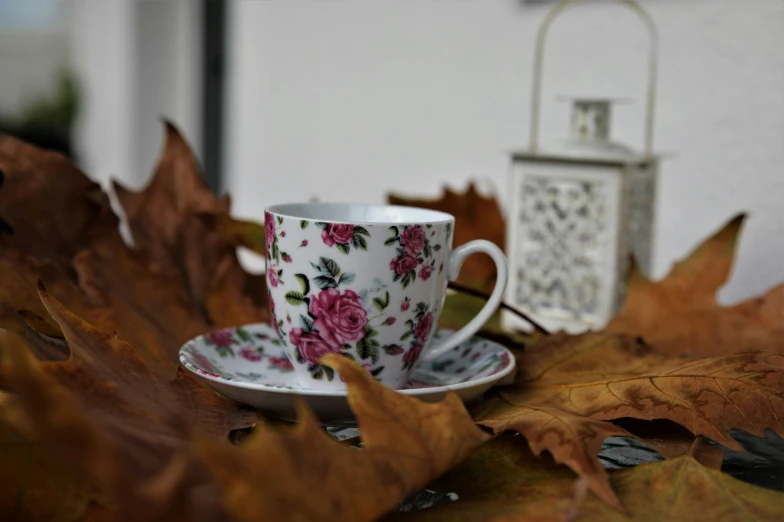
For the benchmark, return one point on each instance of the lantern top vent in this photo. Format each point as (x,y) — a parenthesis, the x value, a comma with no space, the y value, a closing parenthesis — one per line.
(589,138)
(590,125)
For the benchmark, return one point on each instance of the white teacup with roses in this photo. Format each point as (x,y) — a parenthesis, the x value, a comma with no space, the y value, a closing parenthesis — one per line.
(367,283)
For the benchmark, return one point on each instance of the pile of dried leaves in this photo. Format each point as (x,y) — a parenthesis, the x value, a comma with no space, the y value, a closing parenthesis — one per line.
(99,422)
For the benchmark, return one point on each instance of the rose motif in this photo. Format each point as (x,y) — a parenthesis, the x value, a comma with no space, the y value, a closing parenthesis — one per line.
(404,306)
(269,228)
(221,338)
(390,321)
(311,346)
(423,327)
(337,233)
(250,354)
(281,363)
(504,363)
(404,264)
(340,317)
(413,239)
(272,274)
(204,362)
(425,272)
(412,355)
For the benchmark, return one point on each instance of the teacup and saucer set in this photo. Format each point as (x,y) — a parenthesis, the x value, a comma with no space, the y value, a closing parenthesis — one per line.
(364,282)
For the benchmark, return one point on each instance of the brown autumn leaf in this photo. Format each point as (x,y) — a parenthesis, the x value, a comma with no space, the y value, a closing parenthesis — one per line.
(48,207)
(504,481)
(157,296)
(18,276)
(476,217)
(236,297)
(167,225)
(680,314)
(149,310)
(307,476)
(107,413)
(35,487)
(104,413)
(568,387)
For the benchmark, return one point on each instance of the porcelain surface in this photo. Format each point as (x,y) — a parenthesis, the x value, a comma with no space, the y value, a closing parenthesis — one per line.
(249,365)
(364,282)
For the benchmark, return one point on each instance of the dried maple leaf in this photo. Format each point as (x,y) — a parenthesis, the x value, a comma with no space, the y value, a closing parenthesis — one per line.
(124,428)
(183,280)
(48,208)
(150,310)
(503,481)
(48,491)
(167,225)
(236,297)
(20,306)
(569,386)
(308,476)
(106,413)
(476,217)
(680,314)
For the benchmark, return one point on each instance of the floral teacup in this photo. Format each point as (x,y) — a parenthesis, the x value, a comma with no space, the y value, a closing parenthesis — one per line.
(367,283)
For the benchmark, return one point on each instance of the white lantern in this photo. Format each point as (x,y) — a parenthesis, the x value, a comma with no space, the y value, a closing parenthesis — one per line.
(577,211)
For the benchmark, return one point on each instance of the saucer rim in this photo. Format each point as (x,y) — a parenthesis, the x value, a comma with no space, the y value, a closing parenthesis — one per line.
(343,393)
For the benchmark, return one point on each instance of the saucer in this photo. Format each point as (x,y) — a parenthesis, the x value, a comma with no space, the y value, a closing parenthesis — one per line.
(249,365)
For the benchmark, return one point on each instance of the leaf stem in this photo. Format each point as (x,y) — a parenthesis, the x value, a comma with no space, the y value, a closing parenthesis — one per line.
(477,293)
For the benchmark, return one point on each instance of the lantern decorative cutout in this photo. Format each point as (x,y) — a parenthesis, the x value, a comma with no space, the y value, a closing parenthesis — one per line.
(578,210)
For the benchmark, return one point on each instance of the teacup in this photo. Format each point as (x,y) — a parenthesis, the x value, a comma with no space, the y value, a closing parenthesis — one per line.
(367,283)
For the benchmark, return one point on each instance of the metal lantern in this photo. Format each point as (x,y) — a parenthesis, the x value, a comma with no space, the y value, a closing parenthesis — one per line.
(578,209)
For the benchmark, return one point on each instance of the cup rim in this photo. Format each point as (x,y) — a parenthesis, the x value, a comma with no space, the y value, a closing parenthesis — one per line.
(331,213)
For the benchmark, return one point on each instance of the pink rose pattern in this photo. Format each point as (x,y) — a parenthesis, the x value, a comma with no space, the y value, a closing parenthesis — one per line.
(272,251)
(419,330)
(340,317)
(334,233)
(344,236)
(332,317)
(311,346)
(250,354)
(273,275)
(413,250)
(280,363)
(470,362)
(220,338)
(413,239)
(269,229)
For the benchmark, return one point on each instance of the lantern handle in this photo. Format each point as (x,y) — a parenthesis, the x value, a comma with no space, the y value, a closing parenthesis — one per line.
(539,53)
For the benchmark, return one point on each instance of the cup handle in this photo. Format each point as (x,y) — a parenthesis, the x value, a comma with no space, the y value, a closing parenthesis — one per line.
(455,262)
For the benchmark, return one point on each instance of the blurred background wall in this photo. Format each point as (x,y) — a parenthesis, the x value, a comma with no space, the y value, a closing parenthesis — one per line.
(346,100)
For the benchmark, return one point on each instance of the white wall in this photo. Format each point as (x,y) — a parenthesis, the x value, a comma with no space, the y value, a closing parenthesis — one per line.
(348,99)
(137,61)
